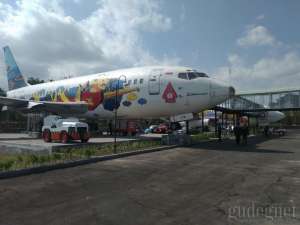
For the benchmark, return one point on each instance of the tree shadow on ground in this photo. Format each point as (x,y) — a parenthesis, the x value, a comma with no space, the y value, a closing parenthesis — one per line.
(230,145)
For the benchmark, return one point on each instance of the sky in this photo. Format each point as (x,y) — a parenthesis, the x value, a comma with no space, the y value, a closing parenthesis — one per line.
(250,44)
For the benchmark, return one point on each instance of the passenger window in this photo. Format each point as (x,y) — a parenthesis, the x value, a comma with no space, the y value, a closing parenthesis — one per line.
(182,76)
(141,81)
(129,83)
(135,81)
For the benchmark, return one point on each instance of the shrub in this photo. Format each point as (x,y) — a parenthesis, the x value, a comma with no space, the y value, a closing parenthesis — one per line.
(56,156)
(89,153)
(43,159)
(34,159)
(7,165)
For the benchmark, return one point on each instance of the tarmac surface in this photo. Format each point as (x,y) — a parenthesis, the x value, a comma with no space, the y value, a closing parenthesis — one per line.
(212,183)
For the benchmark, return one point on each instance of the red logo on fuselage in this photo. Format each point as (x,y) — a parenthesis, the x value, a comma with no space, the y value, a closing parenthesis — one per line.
(169,94)
(92,98)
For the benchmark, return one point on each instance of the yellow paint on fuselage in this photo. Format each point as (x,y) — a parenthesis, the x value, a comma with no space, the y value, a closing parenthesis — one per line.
(63,97)
(121,92)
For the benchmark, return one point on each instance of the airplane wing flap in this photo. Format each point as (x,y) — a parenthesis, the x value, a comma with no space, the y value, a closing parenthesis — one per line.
(44,106)
(61,107)
(12,102)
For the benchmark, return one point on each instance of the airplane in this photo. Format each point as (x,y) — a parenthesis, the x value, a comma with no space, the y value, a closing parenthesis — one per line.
(143,92)
(263,119)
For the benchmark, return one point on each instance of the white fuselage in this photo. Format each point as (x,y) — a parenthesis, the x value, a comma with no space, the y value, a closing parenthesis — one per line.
(146,92)
(270,117)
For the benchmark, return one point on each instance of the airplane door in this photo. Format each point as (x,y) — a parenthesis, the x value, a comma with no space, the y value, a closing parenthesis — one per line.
(187,102)
(154,82)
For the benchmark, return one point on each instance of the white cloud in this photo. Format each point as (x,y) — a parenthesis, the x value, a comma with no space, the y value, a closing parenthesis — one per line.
(182,13)
(266,73)
(260,17)
(49,44)
(277,69)
(256,36)
(234,59)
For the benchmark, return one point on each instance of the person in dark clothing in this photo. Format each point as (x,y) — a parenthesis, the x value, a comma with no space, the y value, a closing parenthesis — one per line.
(266,131)
(245,132)
(110,128)
(237,133)
(41,125)
(219,131)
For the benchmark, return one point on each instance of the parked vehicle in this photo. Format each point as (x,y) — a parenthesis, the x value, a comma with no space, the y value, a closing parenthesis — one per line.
(150,129)
(127,127)
(56,128)
(279,131)
(161,129)
(269,131)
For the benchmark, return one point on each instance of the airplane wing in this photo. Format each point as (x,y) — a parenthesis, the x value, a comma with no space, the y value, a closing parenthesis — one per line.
(44,106)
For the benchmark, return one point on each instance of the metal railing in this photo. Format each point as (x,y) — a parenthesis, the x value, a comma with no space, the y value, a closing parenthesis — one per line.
(264,101)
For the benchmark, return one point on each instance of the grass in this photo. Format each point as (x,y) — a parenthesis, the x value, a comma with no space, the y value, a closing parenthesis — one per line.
(20,160)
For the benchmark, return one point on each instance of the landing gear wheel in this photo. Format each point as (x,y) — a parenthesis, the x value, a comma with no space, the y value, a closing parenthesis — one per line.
(64,137)
(84,140)
(46,135)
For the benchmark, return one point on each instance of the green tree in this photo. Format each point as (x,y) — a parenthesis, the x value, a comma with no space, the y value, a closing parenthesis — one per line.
(33,81)
(2,92)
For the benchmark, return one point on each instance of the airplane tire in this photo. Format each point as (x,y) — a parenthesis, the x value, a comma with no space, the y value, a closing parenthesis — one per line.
(47,135)
(64,137)
(84,140)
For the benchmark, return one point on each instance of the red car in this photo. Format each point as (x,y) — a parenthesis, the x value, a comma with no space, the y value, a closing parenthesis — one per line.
(161,129)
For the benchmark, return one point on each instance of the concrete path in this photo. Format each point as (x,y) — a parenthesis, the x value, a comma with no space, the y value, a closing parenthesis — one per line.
(23,143)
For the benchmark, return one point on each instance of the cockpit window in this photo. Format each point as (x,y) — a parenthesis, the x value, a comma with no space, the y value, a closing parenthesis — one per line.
(191,75)
(202,75)
(195,75)
(182,76)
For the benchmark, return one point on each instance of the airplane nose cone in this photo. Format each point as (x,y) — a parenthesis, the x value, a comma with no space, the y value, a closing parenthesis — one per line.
(274,116)
(281,115)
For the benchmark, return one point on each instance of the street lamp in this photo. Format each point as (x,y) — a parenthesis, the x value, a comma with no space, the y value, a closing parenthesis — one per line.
(116,112)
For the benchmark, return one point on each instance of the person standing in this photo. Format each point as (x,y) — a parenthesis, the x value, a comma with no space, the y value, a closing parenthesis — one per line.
(110,128)
(245,134)
(266,131)
(219,131)
(237,133)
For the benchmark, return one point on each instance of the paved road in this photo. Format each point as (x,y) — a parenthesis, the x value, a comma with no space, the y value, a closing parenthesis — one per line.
(213,183)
